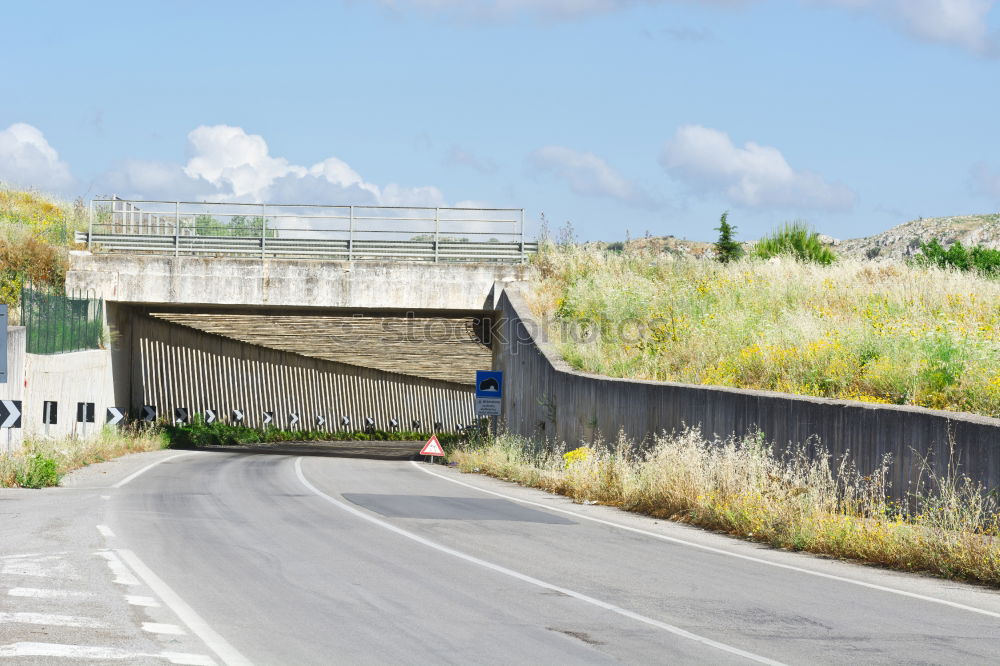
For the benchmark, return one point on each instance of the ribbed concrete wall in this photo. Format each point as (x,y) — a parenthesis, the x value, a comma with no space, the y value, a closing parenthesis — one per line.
(545,398)
(13,389)
(175,366)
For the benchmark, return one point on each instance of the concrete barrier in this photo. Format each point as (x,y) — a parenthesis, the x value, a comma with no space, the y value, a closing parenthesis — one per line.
(545,398)
(68,379)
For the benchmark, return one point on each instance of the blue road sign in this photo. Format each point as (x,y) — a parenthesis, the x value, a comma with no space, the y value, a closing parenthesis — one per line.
(489,384)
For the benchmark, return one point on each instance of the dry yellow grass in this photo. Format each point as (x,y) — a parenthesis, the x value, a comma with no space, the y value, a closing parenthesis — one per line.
(739,486)
(69,454)
(857,330)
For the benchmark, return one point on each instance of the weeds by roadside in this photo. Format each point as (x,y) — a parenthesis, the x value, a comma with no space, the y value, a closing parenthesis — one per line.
(43,463)
(796,501)
(200,433)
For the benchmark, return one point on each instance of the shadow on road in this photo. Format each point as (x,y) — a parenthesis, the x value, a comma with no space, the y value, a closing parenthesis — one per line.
(371,450)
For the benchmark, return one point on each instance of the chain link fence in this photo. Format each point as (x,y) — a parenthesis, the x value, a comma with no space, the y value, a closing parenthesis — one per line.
(57,322)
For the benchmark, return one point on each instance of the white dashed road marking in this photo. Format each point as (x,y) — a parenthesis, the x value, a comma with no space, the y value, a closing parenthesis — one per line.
(51,620)
(162,628)
(139,600)
(94,652)
(40,593)
(105,531)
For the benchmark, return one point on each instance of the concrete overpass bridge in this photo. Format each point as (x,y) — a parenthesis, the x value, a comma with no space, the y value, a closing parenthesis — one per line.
(343,313)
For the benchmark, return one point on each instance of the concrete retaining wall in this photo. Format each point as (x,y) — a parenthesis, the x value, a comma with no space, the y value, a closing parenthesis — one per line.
(68,379)
(13,389)
(175,366)
(545,398)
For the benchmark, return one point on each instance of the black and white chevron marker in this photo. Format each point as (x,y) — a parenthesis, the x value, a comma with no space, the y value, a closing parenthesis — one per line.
(84,412)
(394,424)
(149,413)
(115,416)
(10,413)
(210,416)
(438,426)
(293,419)
(320,421)
(236,416)
(344,421)
(180,415)
(50,412)
(416,425)
(268,418)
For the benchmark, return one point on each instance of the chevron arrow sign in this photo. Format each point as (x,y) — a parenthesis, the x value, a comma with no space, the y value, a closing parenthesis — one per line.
(320,421)
(10,413)
(268,418)
(180,415)
(115,416)
(210,416)
(149,413)
(293,419)
(236,416)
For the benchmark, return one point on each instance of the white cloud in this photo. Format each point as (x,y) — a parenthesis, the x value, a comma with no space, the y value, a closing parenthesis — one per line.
(755,176)
(957,22)
(589,175)
(27,160)
(227,164)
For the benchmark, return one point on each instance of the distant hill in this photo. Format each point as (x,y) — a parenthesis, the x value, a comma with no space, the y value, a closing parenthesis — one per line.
(904,240)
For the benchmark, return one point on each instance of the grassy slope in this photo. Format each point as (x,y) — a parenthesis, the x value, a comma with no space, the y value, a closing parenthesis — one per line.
(856,330)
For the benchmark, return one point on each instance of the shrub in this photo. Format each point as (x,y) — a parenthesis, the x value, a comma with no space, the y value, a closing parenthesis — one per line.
(39,472)
(983,260)
(797,240)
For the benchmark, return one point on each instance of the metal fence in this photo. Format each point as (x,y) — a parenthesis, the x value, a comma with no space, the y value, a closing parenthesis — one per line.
(56,322)
(307,231)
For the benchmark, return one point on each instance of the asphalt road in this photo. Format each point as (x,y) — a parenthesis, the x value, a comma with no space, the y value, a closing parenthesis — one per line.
(227,557)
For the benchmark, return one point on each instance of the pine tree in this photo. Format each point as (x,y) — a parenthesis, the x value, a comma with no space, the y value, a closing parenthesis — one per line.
(727,249)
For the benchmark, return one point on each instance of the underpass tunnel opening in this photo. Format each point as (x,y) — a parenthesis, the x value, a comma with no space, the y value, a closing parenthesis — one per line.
(302,368)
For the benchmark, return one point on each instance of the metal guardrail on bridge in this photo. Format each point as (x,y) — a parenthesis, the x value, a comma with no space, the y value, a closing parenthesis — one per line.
(305,231)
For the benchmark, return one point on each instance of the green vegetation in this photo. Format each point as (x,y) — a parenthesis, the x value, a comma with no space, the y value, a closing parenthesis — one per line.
(239,226)
(43,462)
(983,260)
(727,249)
(199,433)
(795,240)
(744,488)
(35,236)
(892,333)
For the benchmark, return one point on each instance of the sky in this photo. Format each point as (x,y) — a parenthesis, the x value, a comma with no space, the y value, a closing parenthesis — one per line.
(622,117)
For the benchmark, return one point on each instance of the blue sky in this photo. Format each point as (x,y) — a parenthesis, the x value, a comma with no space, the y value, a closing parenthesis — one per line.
(622,116)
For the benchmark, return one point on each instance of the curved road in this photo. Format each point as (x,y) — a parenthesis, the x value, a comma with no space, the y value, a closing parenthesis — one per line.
(273,559)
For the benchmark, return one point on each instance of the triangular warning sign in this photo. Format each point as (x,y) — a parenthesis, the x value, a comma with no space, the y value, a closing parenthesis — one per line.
(432,447)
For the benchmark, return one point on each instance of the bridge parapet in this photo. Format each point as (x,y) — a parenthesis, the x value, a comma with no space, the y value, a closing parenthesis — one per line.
(358,285)
(306,231)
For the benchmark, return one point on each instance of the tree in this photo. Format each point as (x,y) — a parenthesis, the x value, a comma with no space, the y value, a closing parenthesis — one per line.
(727,249)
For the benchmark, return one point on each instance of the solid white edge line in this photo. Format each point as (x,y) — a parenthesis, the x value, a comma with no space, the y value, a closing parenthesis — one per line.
(720,551)
(677,631)
(226,652)
(133,475)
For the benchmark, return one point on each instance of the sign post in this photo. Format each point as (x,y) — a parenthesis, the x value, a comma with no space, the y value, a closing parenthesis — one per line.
(84,415)
(50,414)
(3,344)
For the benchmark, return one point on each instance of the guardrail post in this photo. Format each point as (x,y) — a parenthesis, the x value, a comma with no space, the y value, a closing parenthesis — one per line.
(177,228)
(523,257)
(350,238)
(263,232)
(90,226)
(437,232)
